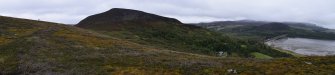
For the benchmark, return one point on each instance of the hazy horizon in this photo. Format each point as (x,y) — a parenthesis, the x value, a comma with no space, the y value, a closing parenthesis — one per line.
(320,12)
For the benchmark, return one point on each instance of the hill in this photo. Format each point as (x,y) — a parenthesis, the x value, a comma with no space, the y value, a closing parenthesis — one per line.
(263,30)
(118,18)
(169,33)
(29,47)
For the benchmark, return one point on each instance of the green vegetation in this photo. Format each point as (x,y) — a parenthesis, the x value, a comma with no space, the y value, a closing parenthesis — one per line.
(260,55)
(290,52)
(42,48)
(163,32)
(191,39)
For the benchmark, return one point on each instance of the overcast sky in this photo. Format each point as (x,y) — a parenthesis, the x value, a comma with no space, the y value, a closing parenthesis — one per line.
(321,12)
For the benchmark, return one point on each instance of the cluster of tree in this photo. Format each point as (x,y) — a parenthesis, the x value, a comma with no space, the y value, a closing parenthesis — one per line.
(203,41)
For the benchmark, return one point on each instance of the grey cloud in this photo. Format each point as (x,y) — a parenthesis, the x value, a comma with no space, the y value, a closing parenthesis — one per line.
(321,12)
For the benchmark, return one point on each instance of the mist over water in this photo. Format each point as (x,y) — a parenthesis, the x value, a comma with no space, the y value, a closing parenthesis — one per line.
(305,46)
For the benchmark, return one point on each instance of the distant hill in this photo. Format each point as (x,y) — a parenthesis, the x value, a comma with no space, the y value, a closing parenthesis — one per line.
(273,27)
(265,30)
(163,32)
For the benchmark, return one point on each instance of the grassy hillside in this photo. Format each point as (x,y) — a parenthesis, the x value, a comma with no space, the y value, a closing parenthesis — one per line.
(42,48)
(169,33)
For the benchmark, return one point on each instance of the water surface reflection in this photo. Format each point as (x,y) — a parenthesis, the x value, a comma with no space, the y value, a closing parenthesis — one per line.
(305,46)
